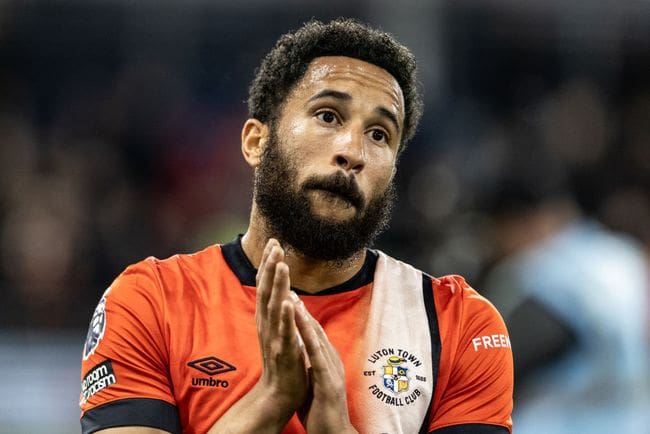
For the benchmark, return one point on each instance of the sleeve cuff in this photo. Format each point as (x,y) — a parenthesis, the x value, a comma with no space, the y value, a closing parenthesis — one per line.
(152,413)
(473,428)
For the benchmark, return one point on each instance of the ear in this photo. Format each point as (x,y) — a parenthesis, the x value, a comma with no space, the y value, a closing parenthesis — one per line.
(254,136)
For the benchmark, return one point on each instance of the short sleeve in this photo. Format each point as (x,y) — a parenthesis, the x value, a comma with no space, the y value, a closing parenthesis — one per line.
(481,378)
(124,371)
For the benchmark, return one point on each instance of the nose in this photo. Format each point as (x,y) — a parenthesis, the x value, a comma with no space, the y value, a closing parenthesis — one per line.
(350,154)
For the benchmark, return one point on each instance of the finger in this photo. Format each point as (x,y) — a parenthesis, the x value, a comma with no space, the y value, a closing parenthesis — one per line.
(315,345)
(301,344)
(289,337)
(260,299)
(330,352)
(287,329)
(326,369)
(265,254)
(265,282)
(317,327)
(279,293)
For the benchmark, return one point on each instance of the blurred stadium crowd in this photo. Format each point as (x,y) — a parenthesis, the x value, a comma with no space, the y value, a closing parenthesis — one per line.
(119,139)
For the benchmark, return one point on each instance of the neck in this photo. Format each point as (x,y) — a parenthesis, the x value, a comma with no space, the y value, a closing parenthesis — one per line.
(310,275)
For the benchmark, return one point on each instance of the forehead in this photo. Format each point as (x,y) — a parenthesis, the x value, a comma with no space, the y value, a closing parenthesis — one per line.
(353,76)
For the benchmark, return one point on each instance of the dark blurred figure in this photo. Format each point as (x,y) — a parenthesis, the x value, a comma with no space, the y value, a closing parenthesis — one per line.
(626,207)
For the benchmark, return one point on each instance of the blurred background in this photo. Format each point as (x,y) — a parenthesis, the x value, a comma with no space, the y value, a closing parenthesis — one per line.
(530,176)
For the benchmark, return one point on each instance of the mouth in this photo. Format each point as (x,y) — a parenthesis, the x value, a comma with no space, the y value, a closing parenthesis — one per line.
(335,196)
(338,189)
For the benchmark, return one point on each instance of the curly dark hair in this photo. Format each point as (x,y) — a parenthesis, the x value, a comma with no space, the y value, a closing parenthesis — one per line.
(287,63)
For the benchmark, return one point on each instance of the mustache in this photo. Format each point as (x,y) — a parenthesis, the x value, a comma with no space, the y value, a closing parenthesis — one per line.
(339,184)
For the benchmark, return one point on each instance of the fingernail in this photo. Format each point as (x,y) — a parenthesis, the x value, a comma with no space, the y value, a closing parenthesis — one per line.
(294,296)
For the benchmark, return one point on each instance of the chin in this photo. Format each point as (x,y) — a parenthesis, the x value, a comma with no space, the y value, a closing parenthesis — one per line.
(336,214)
(331,206)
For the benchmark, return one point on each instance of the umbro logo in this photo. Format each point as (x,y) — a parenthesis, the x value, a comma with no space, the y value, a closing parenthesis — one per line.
(211,365)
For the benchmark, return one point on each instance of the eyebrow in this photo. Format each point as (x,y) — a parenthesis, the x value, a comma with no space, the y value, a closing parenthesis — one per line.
(329,93)
(382,111)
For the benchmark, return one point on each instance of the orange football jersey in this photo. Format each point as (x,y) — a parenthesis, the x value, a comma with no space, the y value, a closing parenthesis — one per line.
(173,345)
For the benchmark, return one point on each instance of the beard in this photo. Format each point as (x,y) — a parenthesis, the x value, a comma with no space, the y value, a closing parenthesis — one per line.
(285,207)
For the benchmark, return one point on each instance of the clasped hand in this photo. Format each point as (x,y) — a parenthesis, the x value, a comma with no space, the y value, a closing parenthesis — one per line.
(301,368)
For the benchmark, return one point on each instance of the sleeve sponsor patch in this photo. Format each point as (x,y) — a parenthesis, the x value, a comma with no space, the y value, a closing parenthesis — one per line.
(491,341)
(97,379)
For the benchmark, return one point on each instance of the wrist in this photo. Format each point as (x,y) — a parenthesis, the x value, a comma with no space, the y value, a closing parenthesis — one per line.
(257,412)
(328,420)
(272,404)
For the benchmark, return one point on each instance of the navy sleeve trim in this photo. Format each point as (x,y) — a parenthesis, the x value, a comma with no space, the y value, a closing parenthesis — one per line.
(436,346)
(152,413)
(472,428)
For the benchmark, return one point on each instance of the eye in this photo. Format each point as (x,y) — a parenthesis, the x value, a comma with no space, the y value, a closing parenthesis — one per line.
(379,135)
(327,116)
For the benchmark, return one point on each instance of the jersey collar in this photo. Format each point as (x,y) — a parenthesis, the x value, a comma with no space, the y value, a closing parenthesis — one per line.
(239,263)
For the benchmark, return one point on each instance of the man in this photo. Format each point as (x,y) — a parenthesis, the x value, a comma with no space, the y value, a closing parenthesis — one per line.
(296,325)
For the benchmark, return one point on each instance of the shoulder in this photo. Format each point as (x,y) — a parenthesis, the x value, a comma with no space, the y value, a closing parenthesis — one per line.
(475,382)
(140,299)
(153,269)
(468,315)
(183,262)
(454,290)
(153,283)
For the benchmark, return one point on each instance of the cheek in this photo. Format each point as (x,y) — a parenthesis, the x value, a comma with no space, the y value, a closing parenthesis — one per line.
(378,180)
(301,140)
(384,163)
(295,129)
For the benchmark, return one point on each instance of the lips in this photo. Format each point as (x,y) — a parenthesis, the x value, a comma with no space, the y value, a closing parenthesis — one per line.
(339,186)
(338,195)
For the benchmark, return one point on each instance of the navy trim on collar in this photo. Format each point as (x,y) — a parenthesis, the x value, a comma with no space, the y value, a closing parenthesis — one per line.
(239,263)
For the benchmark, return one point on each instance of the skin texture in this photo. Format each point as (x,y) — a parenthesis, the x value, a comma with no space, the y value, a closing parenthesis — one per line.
(343,115)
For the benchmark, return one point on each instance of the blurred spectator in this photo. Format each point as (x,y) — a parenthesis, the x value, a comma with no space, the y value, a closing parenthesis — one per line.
(575,297)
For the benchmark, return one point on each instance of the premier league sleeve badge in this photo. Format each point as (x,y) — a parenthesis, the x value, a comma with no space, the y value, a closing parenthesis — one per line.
(96,328)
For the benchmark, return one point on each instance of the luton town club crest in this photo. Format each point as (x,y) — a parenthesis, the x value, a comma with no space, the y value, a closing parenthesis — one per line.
(401,381)
(395,378)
